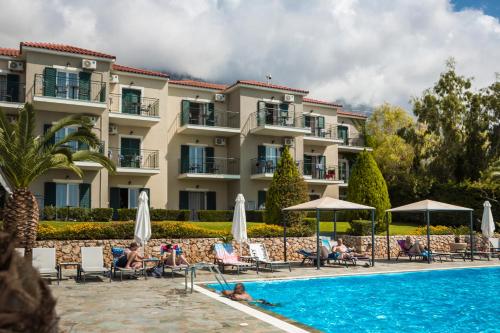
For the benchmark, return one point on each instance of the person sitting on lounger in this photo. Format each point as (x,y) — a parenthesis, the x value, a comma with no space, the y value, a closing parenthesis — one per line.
(413,248)
(131,258)
(342,250)
(172,255)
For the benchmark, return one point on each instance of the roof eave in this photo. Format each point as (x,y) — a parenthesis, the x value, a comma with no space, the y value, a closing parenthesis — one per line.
(69,54)
(252,86)
(145,76)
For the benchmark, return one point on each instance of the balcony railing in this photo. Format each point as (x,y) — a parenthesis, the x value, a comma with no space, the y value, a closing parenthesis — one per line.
(90,91)
(78,146)
(263,165)
(320,171)
(12,92)
(353,142)
(328,132)
(343,173)
(213,166)
(134,158)
(145,106)
(275,117)
(217,118)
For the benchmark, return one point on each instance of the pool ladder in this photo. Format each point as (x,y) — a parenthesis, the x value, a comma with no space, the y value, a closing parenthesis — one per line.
(218,276)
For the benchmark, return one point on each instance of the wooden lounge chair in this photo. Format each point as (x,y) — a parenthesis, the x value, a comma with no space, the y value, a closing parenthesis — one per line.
(44,259)
(225,256)
(259,252)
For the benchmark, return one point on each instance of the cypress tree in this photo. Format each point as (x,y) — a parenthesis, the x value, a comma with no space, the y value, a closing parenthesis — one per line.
(287,188)
(367,187)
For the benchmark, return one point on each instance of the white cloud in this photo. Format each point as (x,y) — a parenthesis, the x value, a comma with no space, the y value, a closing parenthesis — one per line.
(359,51)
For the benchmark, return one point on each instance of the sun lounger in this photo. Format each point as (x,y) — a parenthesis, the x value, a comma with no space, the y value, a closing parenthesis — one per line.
(118,252)
(259,252)
(307,255)
(44,259)
(93,263)
(405,252)
(225,256)
(173,269)
(495,247)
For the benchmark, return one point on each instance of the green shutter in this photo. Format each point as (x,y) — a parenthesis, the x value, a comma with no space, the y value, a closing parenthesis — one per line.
(84,190)
(185,113)
(210,115)
(102,92)
(49,81)
(211,200)
(321,122)
(46,128)
(209,159)
(84,86)
(261,199)
(114,200)
(131,101)
(183,200)
(49,195)
(261,152)
(184,158)
(261,113)
(148,192)
(12,88)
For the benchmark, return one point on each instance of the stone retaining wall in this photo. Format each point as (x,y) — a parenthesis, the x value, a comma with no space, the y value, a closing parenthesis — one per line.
(200,249)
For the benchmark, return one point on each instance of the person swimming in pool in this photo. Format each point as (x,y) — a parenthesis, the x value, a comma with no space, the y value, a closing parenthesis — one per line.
(239,294)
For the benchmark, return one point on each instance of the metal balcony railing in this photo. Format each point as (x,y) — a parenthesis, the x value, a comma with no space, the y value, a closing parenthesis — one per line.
(353,142)
(213,166)
(275,117)
(134,158)
(219,118)
(327,132)
(145,106)
(91,91)
(12,92)
(343,173)
(78,146)
(320,171)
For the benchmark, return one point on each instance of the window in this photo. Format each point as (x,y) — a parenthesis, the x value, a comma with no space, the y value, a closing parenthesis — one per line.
(196,113)
(273,114)
(314,166)
(344,169)
(67,84)
(131,101)
(268,157)
(130,152)
(316,124)
(197,159)
(9,88)
(67,195)
(194,201)
(343,133)
(63,132)
(3,88)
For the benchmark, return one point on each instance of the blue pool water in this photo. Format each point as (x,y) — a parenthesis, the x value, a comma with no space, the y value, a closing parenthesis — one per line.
(458,300)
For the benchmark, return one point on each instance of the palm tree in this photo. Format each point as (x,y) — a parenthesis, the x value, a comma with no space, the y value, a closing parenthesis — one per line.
(25,156)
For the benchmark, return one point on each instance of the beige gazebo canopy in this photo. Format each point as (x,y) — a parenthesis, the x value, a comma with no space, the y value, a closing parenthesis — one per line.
(331,205)
(427,206)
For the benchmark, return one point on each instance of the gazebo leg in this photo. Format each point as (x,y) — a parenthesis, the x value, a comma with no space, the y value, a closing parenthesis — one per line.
(373,238)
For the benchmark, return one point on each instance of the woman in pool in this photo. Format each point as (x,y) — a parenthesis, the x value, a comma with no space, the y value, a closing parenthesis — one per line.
(172,256)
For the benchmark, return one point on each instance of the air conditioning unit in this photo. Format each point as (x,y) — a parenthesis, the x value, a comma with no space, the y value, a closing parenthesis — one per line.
(220,141)
(89,64)
(288,98)
(113,129)
(94,119)
(17,66)
(220,97)
(114,79)
(288,141)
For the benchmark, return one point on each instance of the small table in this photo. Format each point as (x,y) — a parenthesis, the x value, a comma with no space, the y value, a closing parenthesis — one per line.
(144,265)
(69,263)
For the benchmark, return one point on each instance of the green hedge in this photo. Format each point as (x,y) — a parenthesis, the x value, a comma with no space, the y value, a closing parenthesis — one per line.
(360,228)
(255,215)
(169,215)
(101,214)
(215,215)
(71,214)
(126,214)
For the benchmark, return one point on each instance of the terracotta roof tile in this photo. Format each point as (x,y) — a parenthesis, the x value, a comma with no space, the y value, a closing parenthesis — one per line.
(351,114)
(138,71)
(66,48)
(199,84)
(268,85)
(316,101)
(8,52)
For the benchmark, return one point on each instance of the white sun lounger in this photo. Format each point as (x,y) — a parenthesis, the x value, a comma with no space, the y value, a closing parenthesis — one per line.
(44,259)
(259,252)
(93,263)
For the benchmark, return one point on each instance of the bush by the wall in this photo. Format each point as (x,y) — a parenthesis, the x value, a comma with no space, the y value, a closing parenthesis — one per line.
(360,228)
(49,213)
(101,214)
(255,215)
(126,214)
(52,213)
(442,230)
(215,215)
(169,215)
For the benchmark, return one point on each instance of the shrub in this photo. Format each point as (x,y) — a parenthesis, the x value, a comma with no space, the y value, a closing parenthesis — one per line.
(287,188)
(52,213)
(215,215)
(126,214)
(49,213)
(265,230)
(255,215)
(78,214)
(101,214)
(442,230)
(360,227)
(169,215)
(367,187)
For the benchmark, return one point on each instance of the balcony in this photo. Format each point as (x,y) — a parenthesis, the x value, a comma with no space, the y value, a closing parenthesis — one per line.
(353,145)
(212,168)
(217,122)
(344,174)
(322,136)
(317,173)
(12,94)
(262,168)
(138,162)
(273,122)
(87,165)
(75,96)
(144,112)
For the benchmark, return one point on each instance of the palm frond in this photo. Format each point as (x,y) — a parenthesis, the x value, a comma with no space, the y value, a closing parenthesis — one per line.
(83,135)
(87,155)
(73,120)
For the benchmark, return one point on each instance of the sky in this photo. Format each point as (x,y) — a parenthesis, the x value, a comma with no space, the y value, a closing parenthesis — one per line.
(360,52)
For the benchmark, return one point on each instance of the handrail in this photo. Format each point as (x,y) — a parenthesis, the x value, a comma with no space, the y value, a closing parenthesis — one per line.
(134,158)
(275,117)
(329,131)
(219,118)
(214,165)
(320,171)
(146,106)
(13,92)
(353,142)
(92,91)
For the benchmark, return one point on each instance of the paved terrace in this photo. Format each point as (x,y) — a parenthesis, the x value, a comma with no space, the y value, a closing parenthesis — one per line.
(162,305)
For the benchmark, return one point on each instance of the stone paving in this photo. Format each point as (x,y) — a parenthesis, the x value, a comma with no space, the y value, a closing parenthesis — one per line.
(162,305)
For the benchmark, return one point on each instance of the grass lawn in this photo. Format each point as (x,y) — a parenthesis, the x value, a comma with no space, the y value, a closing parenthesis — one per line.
(395,229)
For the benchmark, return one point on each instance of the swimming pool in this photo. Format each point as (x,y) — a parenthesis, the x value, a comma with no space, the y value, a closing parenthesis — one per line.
(455,300)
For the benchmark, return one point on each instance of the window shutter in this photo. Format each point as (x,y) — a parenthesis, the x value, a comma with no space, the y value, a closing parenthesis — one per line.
(185,113)
(209,159)
(183,200)
(114,200)
(306,121)
(184,158)
(261,113)
(49,81)
(84,190)
(46,128)
(148,192)
(321,122)
(211,115)
(84,86)
(49,196)
(261,152)
(261,199)
(12,88)
(102,93)
(211,199)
